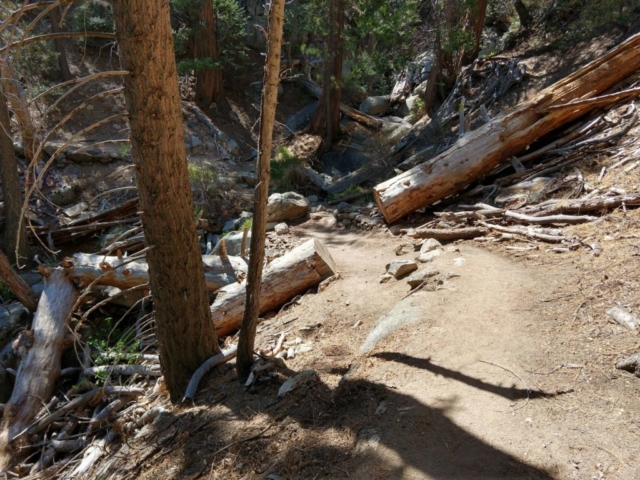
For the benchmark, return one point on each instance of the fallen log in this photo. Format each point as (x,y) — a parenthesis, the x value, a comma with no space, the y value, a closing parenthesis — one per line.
(40,368)
(17,285)
(448,234)
(302,268)
(568,206)
(123,273)
(479,152)
(350,112)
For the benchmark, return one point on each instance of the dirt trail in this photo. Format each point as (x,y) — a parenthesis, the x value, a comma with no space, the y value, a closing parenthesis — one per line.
(461,398)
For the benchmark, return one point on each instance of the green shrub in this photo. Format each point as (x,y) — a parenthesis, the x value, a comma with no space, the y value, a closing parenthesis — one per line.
(287,171)
(93,16)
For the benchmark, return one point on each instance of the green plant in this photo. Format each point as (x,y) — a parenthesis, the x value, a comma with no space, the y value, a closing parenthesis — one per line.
(248,223)
(287,170)
(93,16)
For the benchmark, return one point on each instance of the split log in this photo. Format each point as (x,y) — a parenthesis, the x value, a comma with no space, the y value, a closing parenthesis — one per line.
(123,273)
(40,368)
(448,234)
(17,285)
(478,153)
(302,268)
(350,112)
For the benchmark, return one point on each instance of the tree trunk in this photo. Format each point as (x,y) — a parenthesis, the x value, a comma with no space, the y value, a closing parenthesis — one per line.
(479,152)
(478,15)
(17,285)
(523,14)
(15,239)
(186,336)
(40,368)
(326,121)
(59,44)
(208,82)
(292,274)
(259,226)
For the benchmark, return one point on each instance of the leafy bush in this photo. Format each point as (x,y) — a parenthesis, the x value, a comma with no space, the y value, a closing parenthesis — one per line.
(287,171)
(93,16)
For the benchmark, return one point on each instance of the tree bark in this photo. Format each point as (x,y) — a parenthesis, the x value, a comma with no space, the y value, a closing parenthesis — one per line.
(523,14)
(326,121)
(208,82)
(60,45)
(479,152)
(17,285)
(259,226)
(15,238)
(478,14)
(184,329)
(40,368)
(302,268)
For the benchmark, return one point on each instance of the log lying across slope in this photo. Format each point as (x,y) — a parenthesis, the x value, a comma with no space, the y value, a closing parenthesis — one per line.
(302,268)
(479,152)
(124,273)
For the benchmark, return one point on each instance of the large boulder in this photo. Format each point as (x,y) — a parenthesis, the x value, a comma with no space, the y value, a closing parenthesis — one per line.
(286,206)
(300,120)
(376,105)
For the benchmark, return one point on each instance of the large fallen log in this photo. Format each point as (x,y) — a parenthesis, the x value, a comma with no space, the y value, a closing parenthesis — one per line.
(40,367)
(479,152)
(123,273)
(302,268)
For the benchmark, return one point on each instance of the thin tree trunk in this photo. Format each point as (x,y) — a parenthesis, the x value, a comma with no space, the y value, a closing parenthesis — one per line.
(523,14)
(479,14)
(185,332)
(15,240)
(208,82)
(326,121)
(259,227)
(17,285)
(60,47)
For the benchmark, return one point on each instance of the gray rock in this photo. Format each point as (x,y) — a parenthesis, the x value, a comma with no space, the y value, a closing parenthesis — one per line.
(400,268)
(416,278)
(397,133)
(429,245)
(76,210)
(233,242)
(301,119)
(229,225)
(65,195)
(111,235)
(429,256)
(13,317)
(286,206)
(31,278)
(406,312)
(232,147)
(320,180)
(271,226)
(344,207)
(421,89)
(281,228)
(385,277)
(302,378)
(412,103)
(247,177)
(376,105)
(312,198)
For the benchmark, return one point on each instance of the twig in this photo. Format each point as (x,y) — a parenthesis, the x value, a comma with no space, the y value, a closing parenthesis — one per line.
(519,378)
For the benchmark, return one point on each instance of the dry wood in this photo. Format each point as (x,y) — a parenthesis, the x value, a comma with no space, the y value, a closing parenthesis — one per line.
(530,232)
(40,368)
(199,374)
(123,273)
(567,219)
(350,112)
(447,234)
(17,285)
(300,269)
(631,364)
(125,370)
(569,206)
(479,152)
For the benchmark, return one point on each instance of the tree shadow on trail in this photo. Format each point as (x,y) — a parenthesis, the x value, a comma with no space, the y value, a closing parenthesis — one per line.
(511,393)
(360,429)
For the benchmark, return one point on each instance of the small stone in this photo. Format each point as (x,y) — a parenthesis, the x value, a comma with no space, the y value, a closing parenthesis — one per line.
(458,262)
(271,226)
(401,268)
(429,245)
(416,278)
(281,228)
(381,408)
(385,277)
(429,256)
(76,210)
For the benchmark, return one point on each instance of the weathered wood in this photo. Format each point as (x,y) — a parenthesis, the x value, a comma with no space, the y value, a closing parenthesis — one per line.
(287,276)
(123,273)
(17,285)
(568,206)
(40,368)
(214,361)
(448,234)
(479,152)
(630,364)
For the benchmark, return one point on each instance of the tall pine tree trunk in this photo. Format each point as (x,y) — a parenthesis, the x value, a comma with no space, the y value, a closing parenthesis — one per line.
(259,227)
(185,332)
(15,240)
(208,82)
(326,121)
(60,45)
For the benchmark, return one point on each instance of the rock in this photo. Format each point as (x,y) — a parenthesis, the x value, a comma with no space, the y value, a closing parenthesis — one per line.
(233,242)
(76,210)
(229,225)
(400,268)
(405,312)
(302,378)
(429,256)
(232,147)
(339,164)
(30,278)
(13,317)
(623,317)
(458,262)
(398,132)
(111,235)
(385,277)
(412,103)
(312,199)
(281,228)
(320,180)
(429,245)
(65,195)
(286,206)
(125,299)
(302,118)
(249,178)
(376,105)
(271,226)
(344,207)
(416,278)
